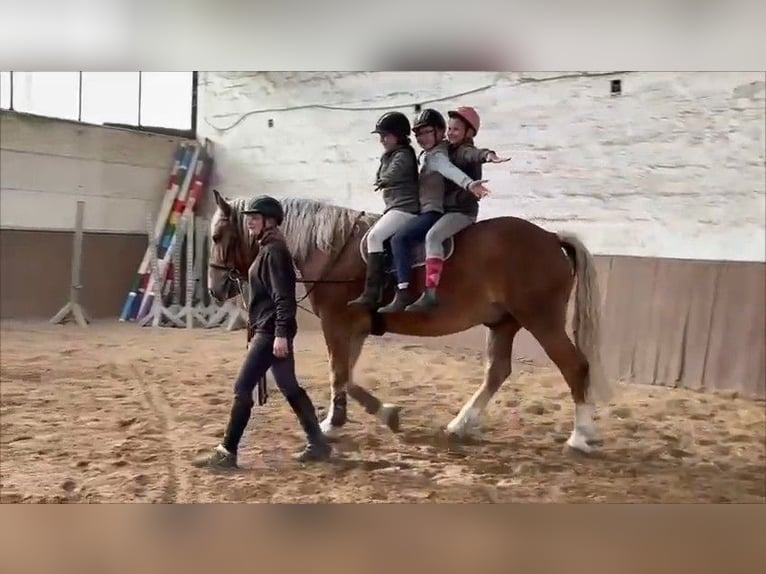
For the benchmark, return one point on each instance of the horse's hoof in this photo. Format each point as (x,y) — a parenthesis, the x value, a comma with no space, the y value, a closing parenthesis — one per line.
(463,430)
(389,415)
(464,436)
(328,430)
(452,436)
(456,432)
(577,442)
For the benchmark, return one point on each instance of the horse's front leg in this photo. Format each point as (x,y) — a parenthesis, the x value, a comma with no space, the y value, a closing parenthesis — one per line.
(387,413)
(340,353)
(344,346)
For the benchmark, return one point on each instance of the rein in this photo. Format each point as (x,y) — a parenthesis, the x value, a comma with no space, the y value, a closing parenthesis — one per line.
(329,267)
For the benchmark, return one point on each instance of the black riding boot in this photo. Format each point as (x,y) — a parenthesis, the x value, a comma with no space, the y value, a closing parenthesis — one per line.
(219,458)
(373,287)
(427,301)
(225,454)
(317,447)
(402,298)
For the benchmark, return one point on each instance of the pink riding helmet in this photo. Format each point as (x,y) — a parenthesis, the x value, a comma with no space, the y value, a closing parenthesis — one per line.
(469,115)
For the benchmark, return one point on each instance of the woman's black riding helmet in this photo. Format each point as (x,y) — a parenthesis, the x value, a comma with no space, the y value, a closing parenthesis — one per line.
(267,206)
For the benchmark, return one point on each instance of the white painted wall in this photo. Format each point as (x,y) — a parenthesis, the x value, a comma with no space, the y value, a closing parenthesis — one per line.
(47,165)
(674,167)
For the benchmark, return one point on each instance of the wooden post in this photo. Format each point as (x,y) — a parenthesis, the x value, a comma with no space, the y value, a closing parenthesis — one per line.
(201,230)
(175,275)
(73,309)
(193,310)
(188,303)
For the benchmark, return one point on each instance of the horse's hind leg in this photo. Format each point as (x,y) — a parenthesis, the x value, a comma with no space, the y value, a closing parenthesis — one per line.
(499,349)
(550,332)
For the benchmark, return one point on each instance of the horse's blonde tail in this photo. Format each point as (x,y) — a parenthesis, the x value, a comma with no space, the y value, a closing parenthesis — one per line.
(587,318)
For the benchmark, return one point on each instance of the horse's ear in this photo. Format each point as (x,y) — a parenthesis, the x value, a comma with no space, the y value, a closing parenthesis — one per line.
(221,202)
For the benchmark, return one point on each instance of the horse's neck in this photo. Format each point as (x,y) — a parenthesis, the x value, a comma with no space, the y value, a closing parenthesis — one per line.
(314,265)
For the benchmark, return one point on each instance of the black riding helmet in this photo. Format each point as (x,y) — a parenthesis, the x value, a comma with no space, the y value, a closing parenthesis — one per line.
(267,206)
(430,118)
(394,123)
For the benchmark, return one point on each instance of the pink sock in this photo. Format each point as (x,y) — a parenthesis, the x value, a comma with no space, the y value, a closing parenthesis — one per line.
(434,268)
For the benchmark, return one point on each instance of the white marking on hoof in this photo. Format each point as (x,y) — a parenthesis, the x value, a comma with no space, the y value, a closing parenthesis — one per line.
(584,421)
(327,427)
(388,414)
(584,429)
(578,441)
(465,423)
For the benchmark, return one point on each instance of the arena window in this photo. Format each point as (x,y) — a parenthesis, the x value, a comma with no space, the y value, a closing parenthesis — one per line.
(161,102)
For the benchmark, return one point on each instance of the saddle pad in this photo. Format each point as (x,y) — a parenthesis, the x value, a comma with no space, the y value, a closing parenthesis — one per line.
(419,251)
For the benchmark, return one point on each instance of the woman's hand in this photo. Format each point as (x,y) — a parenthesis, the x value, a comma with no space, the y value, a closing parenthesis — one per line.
(281,349)
(477,188)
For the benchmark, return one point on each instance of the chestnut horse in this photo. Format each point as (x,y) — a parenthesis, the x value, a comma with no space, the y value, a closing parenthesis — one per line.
(505,273)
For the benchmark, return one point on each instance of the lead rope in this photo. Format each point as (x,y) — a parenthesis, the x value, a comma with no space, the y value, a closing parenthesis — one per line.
(261,388)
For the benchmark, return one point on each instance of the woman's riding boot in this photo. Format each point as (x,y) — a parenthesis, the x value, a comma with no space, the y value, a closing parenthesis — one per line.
(317,447)
(373,287)
(218,458)
(402,298)
(225,454)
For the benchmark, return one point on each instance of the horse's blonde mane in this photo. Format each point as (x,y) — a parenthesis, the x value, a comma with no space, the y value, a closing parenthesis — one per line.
(311,224)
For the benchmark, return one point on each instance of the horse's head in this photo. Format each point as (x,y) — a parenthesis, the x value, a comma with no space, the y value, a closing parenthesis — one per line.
(230,251)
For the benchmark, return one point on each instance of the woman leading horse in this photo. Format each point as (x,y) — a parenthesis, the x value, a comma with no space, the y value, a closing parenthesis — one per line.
(272,328)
